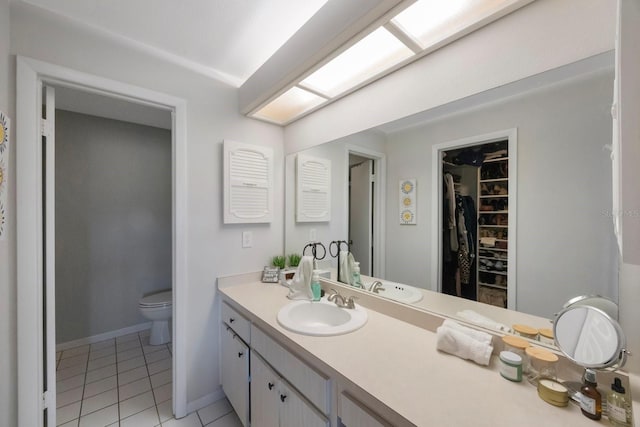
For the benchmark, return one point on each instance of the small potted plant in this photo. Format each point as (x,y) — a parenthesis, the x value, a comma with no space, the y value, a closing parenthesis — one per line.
(294,261)
(278,261)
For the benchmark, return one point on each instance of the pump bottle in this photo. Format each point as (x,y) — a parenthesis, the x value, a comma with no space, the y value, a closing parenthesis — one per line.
(590,399)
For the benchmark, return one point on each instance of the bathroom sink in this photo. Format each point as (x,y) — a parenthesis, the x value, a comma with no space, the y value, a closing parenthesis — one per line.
(399,292)
(321,318)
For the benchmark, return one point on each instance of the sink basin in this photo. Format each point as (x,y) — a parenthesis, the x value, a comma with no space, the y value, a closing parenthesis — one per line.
(321,318)
(399,292)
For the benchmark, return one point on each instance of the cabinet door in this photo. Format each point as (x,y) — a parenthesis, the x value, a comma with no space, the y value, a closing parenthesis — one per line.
(264,395)
(295,411)
(235,373)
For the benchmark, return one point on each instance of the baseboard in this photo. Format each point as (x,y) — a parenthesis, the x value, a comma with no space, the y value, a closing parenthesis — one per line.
(205,400)
(104,336)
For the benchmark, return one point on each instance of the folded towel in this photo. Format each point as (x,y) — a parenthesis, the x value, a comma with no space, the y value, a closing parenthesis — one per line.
(483,321)
(300,287)
(459,344)
(480,336)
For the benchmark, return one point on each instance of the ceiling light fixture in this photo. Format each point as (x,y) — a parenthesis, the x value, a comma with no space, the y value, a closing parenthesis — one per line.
(406,32)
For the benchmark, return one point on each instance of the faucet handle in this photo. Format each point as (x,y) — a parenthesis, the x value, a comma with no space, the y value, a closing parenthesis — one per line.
(350,302)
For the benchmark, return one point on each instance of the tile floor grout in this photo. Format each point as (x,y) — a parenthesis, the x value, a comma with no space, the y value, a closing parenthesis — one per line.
(143,411)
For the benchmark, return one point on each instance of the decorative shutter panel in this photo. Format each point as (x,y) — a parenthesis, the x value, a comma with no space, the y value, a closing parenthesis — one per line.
(248,183)
(313,189)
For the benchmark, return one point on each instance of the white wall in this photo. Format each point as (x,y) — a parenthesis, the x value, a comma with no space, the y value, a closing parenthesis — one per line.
(113,222)
(565,241)
(541,36)
(213,249)
(8,334)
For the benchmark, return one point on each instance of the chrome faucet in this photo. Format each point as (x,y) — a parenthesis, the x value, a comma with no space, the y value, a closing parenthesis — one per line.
(341,301)
(376,287)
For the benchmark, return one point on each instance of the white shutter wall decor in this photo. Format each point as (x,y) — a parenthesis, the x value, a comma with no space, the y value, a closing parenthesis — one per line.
(313,189)
(248,183)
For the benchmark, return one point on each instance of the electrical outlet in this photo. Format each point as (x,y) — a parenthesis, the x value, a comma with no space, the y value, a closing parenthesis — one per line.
(247,239)
(312,235)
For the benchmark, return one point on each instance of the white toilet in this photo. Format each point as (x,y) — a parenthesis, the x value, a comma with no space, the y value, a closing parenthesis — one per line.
(158,308)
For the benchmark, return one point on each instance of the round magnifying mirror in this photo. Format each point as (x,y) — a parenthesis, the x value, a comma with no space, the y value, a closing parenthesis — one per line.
(604,304)
(590,337)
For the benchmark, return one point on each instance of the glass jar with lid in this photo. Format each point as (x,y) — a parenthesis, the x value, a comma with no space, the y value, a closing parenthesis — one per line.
(525,331)
(545,335)
(517,345)
(542,364)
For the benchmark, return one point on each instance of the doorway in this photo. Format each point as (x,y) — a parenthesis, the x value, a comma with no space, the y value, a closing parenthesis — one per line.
(36,238)
(474,187)
(366,192)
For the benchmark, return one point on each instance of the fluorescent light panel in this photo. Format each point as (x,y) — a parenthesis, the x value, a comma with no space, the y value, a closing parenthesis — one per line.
(372,55)
(289,105)
(428,22)
(431,21)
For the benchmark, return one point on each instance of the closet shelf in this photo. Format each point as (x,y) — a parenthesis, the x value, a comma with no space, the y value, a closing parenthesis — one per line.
(493,212)
(493,286)
(495,180)
(495,196)
(491,248)
(498,159)
(492,226)
(502,273)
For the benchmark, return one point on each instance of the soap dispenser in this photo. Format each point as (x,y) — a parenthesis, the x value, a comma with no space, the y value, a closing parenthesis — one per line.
(315,285)
(357,280)
(618,405)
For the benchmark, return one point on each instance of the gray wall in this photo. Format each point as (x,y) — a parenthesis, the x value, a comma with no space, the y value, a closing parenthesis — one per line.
(565,242)
(113,222)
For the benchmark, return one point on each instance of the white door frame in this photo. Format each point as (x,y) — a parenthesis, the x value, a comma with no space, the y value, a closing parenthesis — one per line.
(30,73)
(436,205)
(379,197)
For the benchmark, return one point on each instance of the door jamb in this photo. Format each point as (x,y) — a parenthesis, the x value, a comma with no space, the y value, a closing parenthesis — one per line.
(29,226)
(379,195)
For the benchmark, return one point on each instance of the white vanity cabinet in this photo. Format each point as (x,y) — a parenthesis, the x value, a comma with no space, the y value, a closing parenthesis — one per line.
(234,357)
(275,403)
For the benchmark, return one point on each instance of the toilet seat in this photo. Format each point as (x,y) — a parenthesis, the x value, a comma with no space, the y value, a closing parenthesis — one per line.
(161,299)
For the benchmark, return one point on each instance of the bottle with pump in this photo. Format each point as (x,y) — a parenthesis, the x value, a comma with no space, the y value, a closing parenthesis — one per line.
(357,280)
(618,405)
(590,397)
(315,285)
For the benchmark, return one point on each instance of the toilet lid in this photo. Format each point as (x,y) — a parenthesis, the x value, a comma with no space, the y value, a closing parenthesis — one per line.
(155,300)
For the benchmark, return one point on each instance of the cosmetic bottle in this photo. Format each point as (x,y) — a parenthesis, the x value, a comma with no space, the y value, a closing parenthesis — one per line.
(315,285)
(618,405)
(590,397)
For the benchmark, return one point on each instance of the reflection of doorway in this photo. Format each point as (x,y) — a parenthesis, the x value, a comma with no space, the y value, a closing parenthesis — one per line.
(477,175)
(366,195)
(361,187)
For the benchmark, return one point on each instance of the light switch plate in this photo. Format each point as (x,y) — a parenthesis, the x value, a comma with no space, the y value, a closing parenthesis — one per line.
(247,239)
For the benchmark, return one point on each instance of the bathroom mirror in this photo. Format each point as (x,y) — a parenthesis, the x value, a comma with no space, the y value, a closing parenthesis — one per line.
(565,238)
(590,337)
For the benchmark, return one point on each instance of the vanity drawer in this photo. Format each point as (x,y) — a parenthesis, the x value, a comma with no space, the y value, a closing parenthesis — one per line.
(240,325)
(313,385)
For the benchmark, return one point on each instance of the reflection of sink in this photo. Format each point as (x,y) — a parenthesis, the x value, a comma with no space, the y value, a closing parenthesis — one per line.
(399,292)
(321,318)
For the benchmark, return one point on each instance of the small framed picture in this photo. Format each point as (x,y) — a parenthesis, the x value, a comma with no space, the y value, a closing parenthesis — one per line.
(271,275)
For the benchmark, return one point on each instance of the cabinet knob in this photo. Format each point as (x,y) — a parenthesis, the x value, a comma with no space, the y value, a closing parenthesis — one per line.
(270,385)
(240,354)
(231,320)
(283,397)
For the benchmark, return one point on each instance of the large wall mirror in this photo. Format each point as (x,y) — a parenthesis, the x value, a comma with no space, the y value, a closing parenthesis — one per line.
(565,241)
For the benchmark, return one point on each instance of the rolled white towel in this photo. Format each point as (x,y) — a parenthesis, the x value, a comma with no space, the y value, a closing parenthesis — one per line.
(473,333)
(483,321)
(459,344)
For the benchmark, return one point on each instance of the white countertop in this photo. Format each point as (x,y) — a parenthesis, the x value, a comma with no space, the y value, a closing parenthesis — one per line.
(398,364)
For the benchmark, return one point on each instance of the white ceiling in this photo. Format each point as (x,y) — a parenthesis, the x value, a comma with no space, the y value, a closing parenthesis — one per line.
(226,39)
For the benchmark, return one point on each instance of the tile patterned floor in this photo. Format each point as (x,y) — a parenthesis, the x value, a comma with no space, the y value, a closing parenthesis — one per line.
(125,382)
